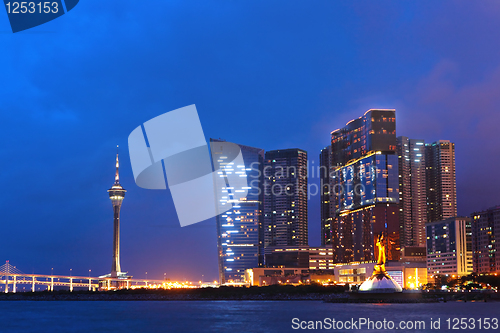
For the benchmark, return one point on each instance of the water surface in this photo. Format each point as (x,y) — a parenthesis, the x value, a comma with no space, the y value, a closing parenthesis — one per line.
(217,316)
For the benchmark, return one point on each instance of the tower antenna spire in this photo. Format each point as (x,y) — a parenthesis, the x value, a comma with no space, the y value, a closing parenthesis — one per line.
(117,175)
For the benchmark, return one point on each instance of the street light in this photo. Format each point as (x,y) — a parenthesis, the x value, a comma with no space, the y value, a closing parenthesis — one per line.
(70,270)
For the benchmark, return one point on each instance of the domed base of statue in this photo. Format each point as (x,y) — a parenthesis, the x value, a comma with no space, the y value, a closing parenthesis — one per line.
(380,282)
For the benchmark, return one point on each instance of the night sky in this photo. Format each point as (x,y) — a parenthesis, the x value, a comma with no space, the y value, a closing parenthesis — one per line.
(268,74)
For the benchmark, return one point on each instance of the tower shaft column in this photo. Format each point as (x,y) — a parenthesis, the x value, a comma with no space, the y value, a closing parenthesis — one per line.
(116,239)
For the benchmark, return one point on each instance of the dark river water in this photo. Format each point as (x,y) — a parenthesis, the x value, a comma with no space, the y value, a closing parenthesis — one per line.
(241,316)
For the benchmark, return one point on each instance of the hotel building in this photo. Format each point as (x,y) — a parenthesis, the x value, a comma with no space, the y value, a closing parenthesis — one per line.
(485,233)
(449,247)
(363,188)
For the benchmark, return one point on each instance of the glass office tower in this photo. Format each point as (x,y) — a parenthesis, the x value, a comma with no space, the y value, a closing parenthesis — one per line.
(239,229)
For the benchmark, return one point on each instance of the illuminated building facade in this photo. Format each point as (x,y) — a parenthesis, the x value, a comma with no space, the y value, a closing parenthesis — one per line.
(285,198)
(287,276)
(412,191)
(485,233)
(366,181)
(449,246)
(321,258)
(239,230)
(441,181)
(363,191)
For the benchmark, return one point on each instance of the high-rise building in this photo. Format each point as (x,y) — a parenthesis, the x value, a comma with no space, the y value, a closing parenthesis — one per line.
(412,191)
(449,246)
(363,187)
(327,212)
(116,194)
(239,229)
(441,181)
(285,198)
(485,234)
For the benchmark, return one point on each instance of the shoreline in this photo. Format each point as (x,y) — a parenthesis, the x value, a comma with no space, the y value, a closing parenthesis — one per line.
(327,295)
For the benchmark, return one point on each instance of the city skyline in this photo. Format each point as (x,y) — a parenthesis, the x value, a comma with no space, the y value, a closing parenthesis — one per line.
(69,97)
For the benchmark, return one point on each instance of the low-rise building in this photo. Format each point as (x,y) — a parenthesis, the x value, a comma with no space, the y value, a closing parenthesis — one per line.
(449,247)
(295,276)
(414,253)
(316,258)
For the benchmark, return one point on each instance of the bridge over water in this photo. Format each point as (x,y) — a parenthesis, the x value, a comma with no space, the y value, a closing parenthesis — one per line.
(11,277)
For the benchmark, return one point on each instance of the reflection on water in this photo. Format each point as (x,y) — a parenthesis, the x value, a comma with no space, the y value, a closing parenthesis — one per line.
(215,316)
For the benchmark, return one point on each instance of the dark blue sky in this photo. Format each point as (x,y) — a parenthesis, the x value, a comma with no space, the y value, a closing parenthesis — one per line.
(269,74)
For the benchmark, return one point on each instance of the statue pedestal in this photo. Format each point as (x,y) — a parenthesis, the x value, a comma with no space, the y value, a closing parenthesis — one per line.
(380,282)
